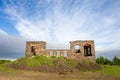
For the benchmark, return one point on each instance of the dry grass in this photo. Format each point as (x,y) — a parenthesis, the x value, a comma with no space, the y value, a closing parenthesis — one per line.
(30,75)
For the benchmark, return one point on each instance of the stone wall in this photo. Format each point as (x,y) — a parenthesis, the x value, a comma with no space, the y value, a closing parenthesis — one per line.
(35,48)
(85,50)
(82,44)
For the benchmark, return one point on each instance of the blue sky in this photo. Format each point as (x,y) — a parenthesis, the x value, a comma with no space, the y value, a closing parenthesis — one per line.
(58,22)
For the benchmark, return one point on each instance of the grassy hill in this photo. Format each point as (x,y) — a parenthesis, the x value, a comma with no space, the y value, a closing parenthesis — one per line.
(44,68)
(53,64)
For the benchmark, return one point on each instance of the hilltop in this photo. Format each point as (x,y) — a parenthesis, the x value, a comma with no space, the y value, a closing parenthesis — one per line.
(53,68)
(59,65)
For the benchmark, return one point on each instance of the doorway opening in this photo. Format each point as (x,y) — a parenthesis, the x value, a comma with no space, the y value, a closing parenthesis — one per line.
(33,50)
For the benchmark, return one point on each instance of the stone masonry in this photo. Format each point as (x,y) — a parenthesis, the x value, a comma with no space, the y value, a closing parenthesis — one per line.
(79,49)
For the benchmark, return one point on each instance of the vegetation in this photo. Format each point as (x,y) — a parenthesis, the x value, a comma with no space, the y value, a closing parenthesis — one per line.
(4,61)
(36,68)
(105,61)
(53,64)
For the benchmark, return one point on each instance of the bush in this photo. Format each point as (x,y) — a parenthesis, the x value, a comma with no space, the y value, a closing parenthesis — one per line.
(4,61)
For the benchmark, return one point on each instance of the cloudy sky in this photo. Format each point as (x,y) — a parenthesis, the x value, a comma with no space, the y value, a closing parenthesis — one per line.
(57,22)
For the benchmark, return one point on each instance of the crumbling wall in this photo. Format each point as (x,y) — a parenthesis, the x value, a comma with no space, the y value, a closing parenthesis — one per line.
(82,44)
(58,52)
(79,49)
(35,48)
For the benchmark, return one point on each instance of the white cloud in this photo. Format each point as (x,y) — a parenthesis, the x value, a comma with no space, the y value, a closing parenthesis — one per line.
(3,32)
(62,22)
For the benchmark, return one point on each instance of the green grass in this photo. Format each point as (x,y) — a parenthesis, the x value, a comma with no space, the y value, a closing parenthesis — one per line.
(71,62)
(38,61)
(4,61)
(106,72)
(110,69)
(53,64)
(4,68)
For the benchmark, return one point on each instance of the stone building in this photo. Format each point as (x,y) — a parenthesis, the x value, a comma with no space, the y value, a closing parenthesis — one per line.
(79,49)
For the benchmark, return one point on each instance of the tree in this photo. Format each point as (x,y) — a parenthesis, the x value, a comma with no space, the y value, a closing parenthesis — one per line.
(116,61)
(103,61)
(107,62)
(100,60)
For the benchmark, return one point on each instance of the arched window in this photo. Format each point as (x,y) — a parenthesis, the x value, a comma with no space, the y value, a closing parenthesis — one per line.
(77,49)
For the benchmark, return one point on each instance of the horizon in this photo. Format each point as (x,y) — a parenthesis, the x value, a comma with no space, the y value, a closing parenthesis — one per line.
(57,22)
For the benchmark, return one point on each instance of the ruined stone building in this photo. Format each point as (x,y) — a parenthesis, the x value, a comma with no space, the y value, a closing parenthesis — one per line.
(79,49)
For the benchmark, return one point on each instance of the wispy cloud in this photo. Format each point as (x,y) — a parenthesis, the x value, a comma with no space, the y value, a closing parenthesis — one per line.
(61,21)
(3,32)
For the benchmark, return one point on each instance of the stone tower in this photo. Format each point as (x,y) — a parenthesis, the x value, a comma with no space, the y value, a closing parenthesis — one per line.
(35,48)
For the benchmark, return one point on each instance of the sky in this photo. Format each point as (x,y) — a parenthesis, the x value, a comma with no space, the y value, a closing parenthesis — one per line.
(58,22)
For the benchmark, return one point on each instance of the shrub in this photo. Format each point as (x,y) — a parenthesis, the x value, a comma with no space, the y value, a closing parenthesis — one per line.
(4,61)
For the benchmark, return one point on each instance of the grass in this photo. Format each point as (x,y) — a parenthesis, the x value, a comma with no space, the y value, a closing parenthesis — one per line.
(4,61)
(37,61)
(53,64)
(110,69)
(106,72)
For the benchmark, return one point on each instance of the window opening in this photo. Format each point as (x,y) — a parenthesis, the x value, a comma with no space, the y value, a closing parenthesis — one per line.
(87,50)
(77,49)
(58,53)
(65,54)
(51,53)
